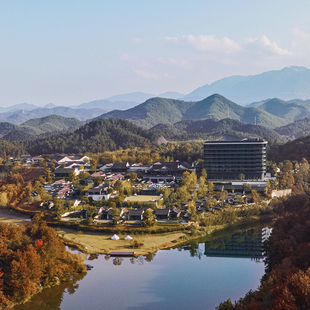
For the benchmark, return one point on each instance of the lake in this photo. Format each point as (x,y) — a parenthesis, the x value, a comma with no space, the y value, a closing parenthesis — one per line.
(197,275)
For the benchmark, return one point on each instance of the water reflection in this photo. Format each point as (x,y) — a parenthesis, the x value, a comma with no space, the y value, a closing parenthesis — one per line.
(173,279)
(248,244)
(51,298)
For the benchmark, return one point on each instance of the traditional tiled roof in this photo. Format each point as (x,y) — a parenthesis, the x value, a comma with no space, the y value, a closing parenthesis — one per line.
(162,212)
(170,166)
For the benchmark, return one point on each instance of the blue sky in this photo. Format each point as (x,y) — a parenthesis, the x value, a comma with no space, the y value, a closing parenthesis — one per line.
(70,52)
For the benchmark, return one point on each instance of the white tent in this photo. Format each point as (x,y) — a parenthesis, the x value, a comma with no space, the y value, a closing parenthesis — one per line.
(115,237)
(128,238)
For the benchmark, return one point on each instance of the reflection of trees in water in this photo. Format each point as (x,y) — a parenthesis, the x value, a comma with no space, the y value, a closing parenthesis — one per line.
(194,250)
(50,299)
(117,261)
(142,258)
(93,256)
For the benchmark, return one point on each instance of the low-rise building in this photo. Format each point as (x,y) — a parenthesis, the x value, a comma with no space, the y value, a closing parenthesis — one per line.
(167,172)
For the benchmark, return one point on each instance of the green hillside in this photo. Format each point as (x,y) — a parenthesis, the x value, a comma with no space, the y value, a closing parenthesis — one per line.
(289,111)
(299,128)
(168,111)
(6,128)
(227,129)
(153,112)
(97,136)
(41,126)
(291,150)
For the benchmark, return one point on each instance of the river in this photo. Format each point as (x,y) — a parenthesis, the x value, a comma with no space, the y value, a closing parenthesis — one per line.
(198,275)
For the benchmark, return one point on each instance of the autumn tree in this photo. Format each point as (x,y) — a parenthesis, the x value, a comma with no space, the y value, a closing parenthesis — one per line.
(148,218)
(189,180)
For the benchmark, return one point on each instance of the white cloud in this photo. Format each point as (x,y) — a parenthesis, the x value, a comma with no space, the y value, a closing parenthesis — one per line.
(146,75)
(137,40)
(207,43)
(265,46)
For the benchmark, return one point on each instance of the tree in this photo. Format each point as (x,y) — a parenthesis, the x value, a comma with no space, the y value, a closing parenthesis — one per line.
(115,214)
(246,186)
(148,218)
(48,176)
(83,175)
(131,176)
(93,164)
(72,176)
(183,194)
(239,199)
(90,211)
(44,195)
(254,195)
(241,176)
(189,179)
(202,189)
(192,210)
(204,173)
(4,199)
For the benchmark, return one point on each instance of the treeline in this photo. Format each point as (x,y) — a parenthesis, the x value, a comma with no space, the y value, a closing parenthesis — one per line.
(97,136)
(211,129)
(8,149)
(150,153)
(32,258)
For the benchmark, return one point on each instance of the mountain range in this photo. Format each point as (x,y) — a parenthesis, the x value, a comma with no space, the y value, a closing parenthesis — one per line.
(287,84)
(168,111)
(39,127)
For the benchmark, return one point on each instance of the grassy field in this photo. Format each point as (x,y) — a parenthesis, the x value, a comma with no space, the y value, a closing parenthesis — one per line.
(102,243)
(142,198)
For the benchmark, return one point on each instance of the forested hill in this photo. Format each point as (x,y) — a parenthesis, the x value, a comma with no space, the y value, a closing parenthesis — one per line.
(287,110)
(152,112)
(295,130)
(39,126)
(8,149)
(291,150)
(168,111)
(97,136)
(226,129)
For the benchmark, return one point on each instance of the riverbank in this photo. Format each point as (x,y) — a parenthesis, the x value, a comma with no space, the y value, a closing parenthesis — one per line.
(142,244)
(99,243)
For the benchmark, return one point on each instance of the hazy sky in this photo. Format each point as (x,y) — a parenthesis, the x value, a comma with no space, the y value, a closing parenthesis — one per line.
(69,52)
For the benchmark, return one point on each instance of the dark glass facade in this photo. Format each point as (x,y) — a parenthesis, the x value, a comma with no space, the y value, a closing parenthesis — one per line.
(226,160)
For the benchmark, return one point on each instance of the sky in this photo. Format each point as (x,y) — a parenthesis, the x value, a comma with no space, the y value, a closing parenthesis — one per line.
(73,51)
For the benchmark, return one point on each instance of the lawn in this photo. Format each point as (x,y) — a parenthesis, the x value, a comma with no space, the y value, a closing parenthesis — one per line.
(143,198)
(102,243)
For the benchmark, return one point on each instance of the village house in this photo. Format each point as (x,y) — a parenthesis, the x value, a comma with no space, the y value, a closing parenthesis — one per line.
(162,214)
(135,215)
(99,192)
(61,189)
(167,172)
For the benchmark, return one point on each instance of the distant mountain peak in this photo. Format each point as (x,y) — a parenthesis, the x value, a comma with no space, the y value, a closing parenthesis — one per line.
(288,83)
(296,68)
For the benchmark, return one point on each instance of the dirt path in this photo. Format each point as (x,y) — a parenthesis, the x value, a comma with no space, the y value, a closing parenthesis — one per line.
(7,216)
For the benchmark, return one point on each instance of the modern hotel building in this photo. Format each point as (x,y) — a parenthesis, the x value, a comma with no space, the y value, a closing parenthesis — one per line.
(226,160)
